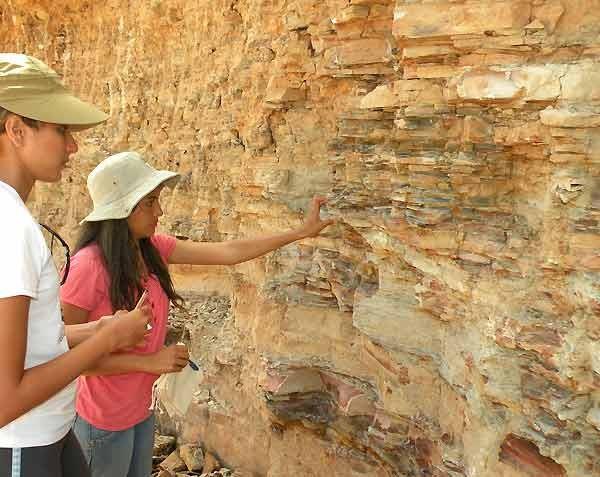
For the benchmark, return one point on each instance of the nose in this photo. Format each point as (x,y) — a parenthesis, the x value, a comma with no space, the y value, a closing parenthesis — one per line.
(72,146)
(158,211)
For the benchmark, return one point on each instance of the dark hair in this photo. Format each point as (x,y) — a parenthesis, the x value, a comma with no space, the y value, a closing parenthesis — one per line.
(32,123)
(118,250)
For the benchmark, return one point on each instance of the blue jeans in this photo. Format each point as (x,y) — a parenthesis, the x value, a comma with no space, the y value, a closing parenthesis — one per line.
(126,453)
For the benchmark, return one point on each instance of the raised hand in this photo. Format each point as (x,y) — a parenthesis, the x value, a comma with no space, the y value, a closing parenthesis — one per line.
(312,221)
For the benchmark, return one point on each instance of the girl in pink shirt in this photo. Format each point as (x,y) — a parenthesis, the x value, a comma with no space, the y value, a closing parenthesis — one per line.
(118,257)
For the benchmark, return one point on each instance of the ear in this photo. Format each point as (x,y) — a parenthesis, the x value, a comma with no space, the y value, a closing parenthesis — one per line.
(15,130)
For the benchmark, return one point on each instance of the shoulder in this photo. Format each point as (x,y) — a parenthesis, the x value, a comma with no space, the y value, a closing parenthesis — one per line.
(90,258)
(165,244)
(86,267)
(24,231)
(87,279)
(89,252)
(18,213)
(23,251)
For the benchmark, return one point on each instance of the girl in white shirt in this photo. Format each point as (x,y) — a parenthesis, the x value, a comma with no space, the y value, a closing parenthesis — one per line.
(37,369)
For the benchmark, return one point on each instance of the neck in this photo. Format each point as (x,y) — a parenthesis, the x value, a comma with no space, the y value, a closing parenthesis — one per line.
(13,174)
(141,262)
(23,187)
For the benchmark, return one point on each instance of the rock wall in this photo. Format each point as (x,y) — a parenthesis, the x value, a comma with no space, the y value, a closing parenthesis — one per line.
(448,325)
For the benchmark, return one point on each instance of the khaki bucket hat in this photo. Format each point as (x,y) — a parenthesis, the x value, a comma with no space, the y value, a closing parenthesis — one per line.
(119,182)
(31,89)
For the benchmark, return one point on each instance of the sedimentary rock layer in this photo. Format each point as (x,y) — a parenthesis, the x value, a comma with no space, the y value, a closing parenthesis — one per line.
(448,325)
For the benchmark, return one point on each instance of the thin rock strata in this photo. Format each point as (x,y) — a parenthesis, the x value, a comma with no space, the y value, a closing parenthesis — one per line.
(447,325)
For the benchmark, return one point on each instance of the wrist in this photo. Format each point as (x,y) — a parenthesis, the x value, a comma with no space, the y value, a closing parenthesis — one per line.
(300,233)
(145,363)
(106,338)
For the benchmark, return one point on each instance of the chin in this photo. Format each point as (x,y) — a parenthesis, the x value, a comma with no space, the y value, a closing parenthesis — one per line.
(51,178)
(57,175)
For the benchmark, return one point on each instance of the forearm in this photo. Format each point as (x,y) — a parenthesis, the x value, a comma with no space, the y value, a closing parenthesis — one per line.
(246,249)
(120,363)
(41,382)
(77,334)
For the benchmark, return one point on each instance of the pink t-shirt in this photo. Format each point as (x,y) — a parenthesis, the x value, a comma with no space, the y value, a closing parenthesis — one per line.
(115,402)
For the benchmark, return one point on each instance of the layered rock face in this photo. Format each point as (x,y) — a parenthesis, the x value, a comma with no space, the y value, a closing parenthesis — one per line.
(448,325)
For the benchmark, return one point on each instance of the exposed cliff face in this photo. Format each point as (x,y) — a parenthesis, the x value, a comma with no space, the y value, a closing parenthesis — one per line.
(449,324)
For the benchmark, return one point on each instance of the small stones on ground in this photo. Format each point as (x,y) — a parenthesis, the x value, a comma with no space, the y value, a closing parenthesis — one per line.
(193,457)
(163,445)
(174,463)
(210,463)
(189,461)
(224,472)
(164,473)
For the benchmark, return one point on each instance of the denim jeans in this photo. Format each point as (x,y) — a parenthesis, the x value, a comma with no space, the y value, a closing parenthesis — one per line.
(126,453)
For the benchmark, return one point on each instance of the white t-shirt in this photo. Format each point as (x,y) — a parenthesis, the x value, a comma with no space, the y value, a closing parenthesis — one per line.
(27,268)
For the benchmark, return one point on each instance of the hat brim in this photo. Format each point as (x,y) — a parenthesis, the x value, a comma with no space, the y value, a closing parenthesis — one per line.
(57,108)
(123,207)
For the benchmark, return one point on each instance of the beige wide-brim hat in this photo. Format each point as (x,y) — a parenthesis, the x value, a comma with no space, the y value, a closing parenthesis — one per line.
(29,88)
(119,182)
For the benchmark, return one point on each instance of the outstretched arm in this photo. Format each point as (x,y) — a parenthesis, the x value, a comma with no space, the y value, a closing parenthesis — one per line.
(238,251)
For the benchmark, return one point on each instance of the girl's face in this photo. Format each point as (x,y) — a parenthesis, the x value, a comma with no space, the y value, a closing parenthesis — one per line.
(46,150)
(143,220)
